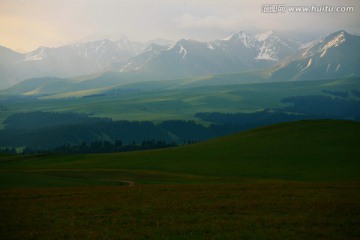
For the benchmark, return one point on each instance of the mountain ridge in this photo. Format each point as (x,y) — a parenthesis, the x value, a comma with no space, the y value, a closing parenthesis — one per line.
(277,57)
(76,59)
(93,56)
(334,55)
(239,52)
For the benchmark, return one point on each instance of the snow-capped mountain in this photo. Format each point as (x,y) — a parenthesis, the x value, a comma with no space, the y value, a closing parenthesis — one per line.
(273,46)
(99,54)
(80,58)
(336,55)
(238,52)
(136,63)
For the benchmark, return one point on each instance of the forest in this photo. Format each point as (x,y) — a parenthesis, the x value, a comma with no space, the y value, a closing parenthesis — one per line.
(44,131)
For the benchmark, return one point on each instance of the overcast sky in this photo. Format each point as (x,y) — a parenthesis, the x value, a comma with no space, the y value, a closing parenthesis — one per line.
(27,24)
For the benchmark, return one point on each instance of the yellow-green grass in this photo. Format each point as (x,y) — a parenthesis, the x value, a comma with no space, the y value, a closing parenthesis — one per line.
(164,102)
(323,150)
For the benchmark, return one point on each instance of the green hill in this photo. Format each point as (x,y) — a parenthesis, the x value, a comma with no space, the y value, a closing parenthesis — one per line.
(296,180)
(323,150)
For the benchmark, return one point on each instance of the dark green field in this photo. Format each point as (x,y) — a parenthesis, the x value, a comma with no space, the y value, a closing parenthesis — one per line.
(296,180)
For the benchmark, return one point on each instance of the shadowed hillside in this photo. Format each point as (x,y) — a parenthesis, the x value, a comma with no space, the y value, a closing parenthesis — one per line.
(324,150)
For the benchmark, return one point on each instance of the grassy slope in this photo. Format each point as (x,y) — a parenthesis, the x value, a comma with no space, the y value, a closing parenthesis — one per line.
(162,101)
(302,151)
(263,209)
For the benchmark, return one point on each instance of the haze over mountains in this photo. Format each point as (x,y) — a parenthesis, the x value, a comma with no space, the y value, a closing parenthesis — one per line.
(76,59)
(237,53)
(274,56)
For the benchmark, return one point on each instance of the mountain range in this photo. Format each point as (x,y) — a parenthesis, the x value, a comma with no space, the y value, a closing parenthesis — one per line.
(237,53)
(272,55)
(82,58)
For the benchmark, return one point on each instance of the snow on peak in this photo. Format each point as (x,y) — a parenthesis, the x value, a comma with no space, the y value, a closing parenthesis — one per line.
(179,48)
(210,46)
(172,46)
(267,53)
(245,38)
(338,67)
(308,64)
(37,55)
(227,38)
(335,42)
(182,51)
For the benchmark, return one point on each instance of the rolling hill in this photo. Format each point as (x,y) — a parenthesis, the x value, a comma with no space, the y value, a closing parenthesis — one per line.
(324,150)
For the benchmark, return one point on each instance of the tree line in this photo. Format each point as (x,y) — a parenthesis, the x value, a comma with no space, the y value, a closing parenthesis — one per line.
(102,147)
(47,131)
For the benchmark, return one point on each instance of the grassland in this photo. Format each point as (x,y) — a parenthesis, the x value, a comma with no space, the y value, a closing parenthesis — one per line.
(169,100)
(300,151)
(289,181)
(271,210)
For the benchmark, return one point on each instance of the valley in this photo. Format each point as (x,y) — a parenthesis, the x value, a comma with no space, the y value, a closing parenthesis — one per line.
(172,100)
(254,136)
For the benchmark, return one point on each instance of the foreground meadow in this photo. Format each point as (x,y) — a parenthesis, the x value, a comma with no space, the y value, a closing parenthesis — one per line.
(296,180)
(262,210)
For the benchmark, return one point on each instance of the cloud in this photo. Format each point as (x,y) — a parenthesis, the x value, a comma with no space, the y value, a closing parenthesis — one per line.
(26,24)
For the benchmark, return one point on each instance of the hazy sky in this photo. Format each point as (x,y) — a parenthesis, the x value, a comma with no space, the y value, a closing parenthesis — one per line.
(27,24)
